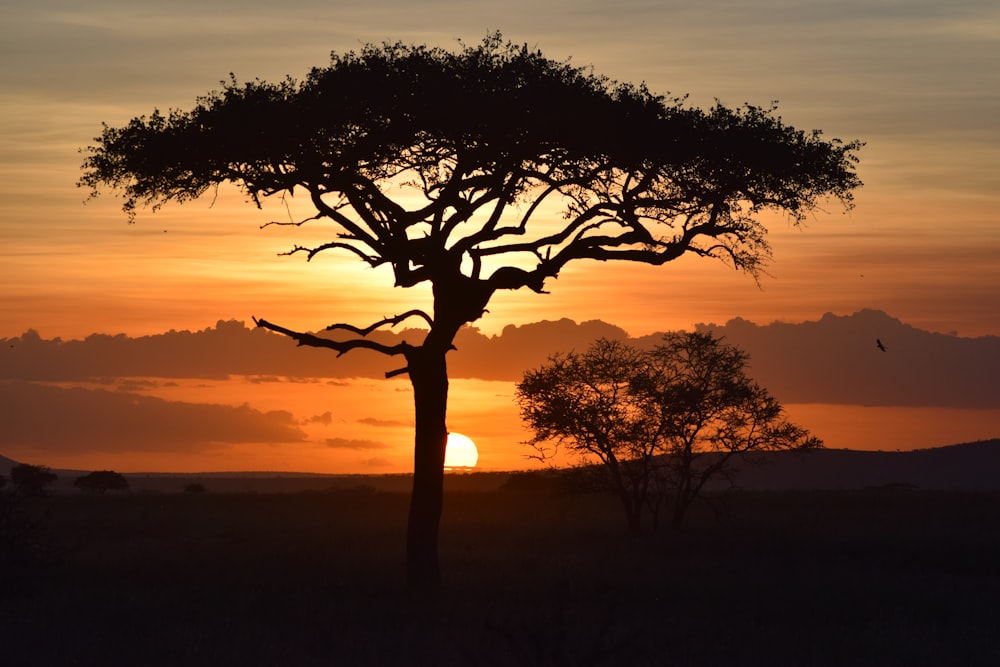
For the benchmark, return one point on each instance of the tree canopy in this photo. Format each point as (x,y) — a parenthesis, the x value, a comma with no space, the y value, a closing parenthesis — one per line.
(482,169)
(101,481)
(31,479)
(478,140)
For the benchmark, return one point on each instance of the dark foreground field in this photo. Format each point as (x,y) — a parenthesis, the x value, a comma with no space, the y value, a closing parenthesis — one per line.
(877,577)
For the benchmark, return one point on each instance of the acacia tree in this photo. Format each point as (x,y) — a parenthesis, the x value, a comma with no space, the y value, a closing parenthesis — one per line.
(658,422)
(101,481)
(488,168)
(586,402)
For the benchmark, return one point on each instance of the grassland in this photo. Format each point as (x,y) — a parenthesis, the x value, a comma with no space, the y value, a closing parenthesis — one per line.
(875,577)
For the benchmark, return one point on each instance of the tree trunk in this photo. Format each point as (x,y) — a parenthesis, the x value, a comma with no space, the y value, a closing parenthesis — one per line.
(681,504)
(429,375)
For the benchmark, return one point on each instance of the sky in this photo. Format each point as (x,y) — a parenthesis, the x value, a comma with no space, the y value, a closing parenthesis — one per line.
(236,397)
(917,81)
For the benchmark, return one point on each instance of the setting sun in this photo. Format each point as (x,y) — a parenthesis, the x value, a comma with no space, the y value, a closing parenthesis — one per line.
(461,452)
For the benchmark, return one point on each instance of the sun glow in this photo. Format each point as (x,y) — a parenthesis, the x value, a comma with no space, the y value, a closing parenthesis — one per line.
(460,452)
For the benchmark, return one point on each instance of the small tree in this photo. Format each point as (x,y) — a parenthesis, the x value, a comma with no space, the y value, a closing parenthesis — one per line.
(473,172)
(31,480)
(101,481)
(585,401)
(659,422)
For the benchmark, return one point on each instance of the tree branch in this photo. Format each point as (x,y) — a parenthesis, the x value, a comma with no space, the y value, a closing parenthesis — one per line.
(352,227)
(391,321)
(341,347)
(290,223)
(370,260)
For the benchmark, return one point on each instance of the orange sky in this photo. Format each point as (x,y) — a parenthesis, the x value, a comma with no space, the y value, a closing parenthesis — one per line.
(916,80)
(233,397)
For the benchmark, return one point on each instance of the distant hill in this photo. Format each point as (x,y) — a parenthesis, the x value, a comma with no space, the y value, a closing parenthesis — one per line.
(973,466)
(5,465)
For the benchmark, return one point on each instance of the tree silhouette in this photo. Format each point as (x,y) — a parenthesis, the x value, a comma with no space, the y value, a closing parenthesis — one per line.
(31,480)
(661,422)
(101,481)
(488,168)
(585,401)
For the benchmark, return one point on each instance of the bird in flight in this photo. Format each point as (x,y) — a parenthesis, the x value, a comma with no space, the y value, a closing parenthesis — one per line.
(879,345)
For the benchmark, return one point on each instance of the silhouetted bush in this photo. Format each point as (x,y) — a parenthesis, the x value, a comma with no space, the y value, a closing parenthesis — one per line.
(31,480)
(101,481)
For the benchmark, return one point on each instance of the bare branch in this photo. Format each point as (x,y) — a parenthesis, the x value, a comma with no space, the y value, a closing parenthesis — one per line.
(370,260)
(325,210)
(290,223)
(391,321)
(341,347)
(550,240)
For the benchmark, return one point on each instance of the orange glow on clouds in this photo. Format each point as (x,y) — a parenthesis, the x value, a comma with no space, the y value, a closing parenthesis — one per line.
(365,426)
(922,243)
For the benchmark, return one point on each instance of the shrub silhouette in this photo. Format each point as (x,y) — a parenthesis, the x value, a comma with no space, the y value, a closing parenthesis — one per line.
(31,480)
(101,481)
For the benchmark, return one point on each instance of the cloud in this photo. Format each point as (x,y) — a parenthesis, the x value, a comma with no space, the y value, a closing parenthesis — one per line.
(372,421)
(262,379)
(230,348)
(810,362)
(324,419)
(835,361)
(136,384)
(348,443)
(75,420)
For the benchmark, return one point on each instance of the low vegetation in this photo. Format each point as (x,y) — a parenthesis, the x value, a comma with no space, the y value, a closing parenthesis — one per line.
(537,576)
(101,481)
